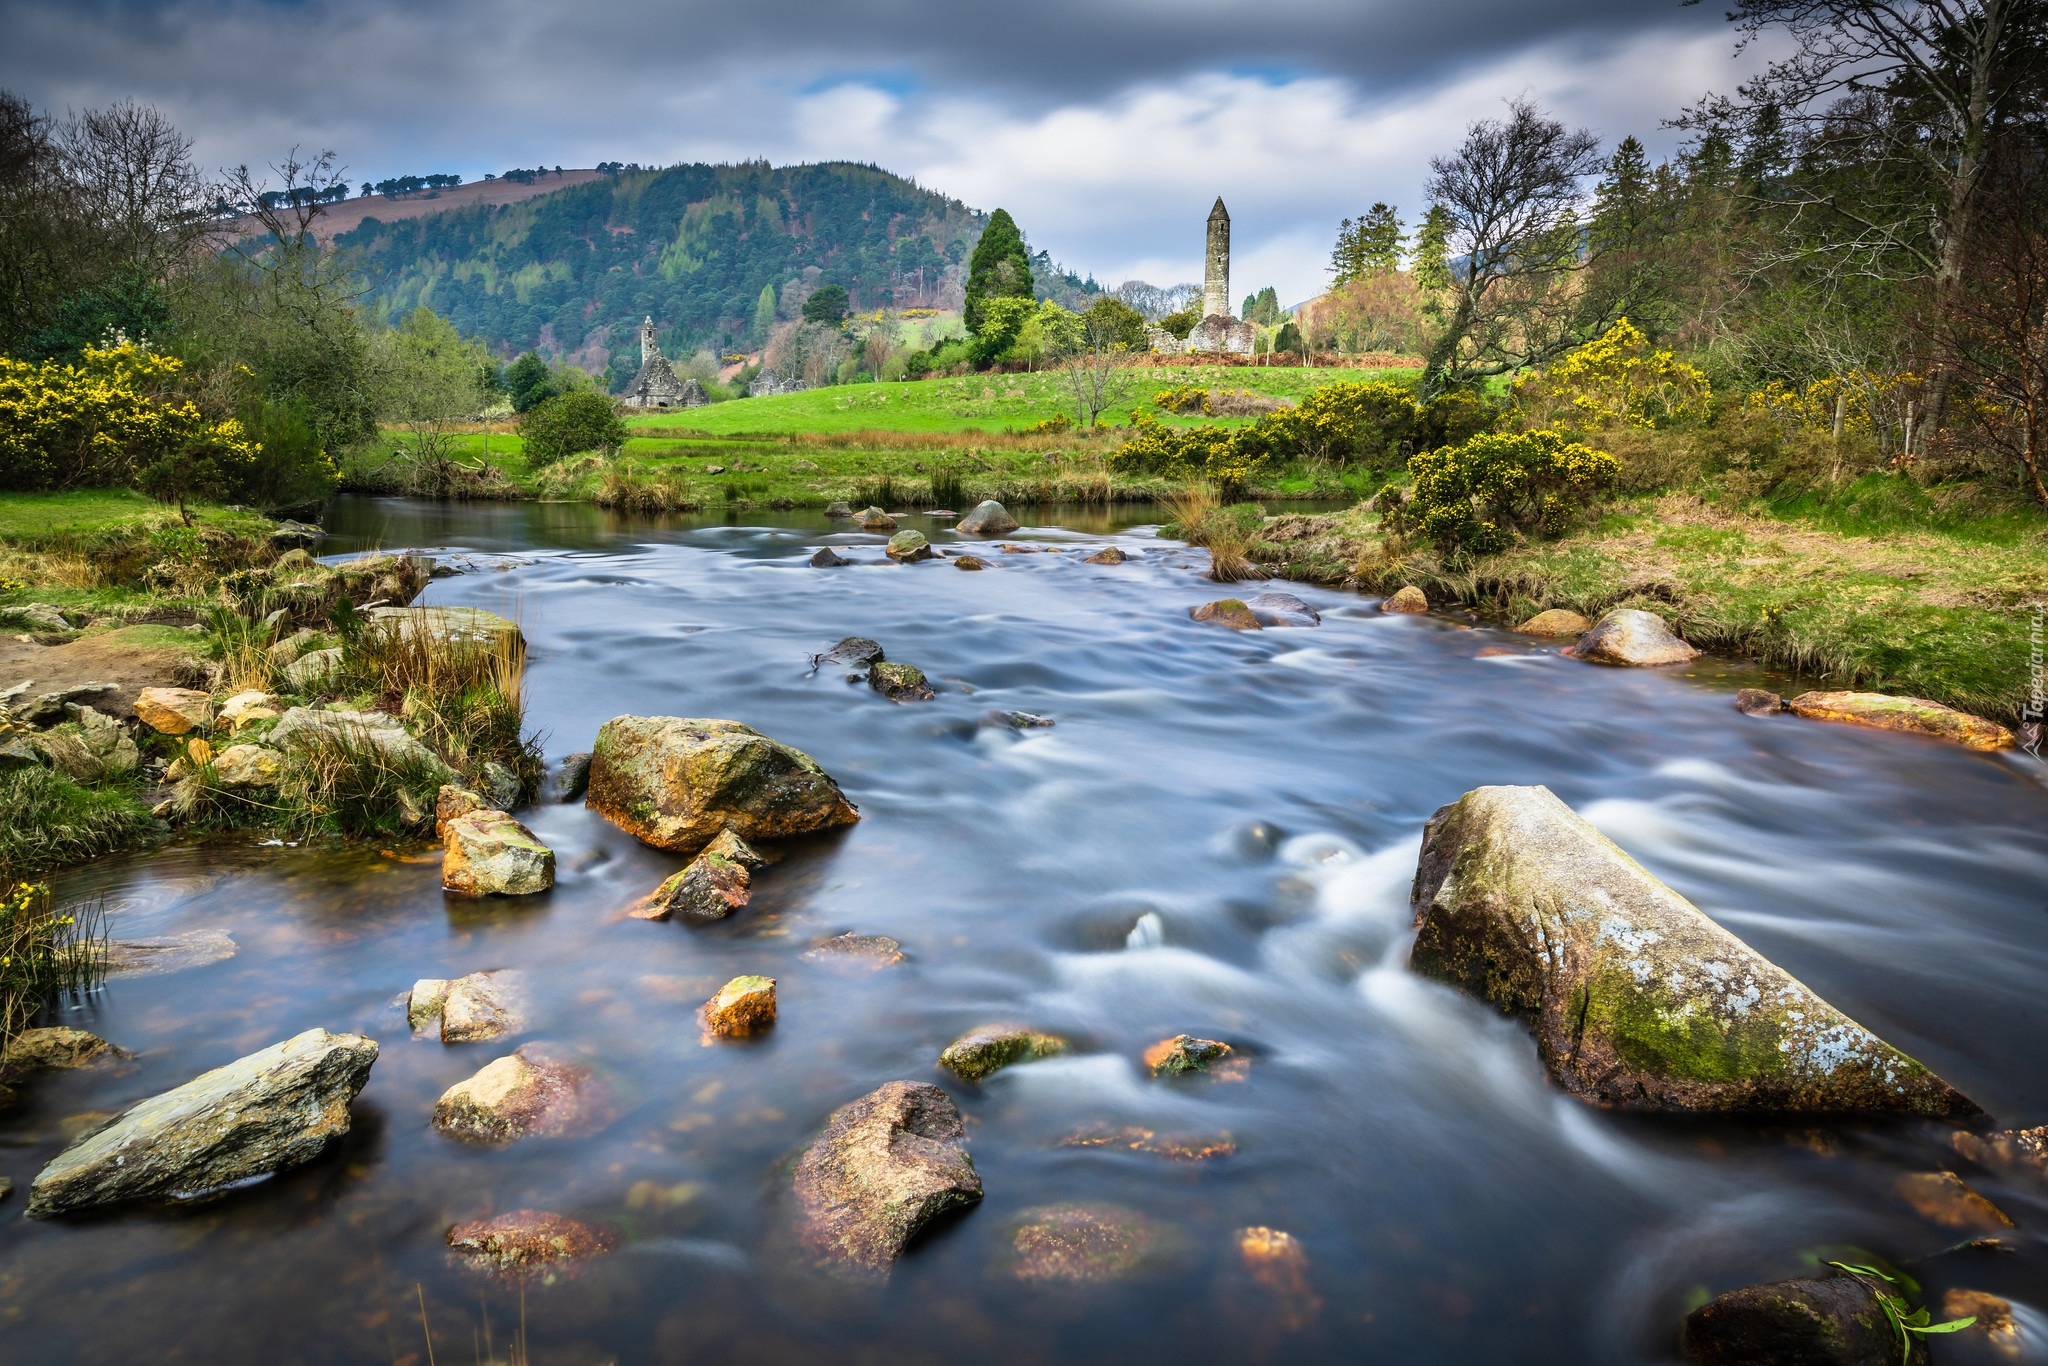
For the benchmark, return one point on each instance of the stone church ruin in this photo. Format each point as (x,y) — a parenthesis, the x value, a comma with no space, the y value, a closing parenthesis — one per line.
(1219,331)
(657,385)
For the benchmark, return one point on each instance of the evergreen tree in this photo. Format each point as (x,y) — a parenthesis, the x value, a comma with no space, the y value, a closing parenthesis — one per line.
(827,304)
(528,382)
(999,269)
(1263,307)
(764,314)
(1369,245)
(1433,249)
(1622,201)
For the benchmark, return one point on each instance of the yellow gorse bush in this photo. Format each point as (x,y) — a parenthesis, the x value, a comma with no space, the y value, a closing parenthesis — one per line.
(96,421)
(1617,379)
(1858,394)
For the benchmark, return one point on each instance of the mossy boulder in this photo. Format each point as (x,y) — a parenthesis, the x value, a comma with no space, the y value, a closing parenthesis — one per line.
(1231,612)
(900,682)
(988,1049)
(1913,714)
(1828,1321)
(1637,999)
(908,547)
(675,782)
(491,854)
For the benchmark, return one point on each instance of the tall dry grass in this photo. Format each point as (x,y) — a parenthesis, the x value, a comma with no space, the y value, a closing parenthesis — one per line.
(1196,515)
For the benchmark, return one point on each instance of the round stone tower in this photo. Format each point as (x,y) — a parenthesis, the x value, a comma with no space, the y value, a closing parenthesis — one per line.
(1216,275)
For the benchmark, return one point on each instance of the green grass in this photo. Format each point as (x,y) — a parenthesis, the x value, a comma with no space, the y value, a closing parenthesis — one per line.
(48,821)
(84,517)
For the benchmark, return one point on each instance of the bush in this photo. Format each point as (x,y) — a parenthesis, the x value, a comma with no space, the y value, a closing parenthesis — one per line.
(569,424)
(1178,325)
(1229,459)
(1617,380)
(1475,497)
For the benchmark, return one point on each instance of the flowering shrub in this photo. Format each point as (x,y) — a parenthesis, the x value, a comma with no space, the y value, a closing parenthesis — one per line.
(1185,399)
(1475,497)
(1864,401)
(99,421)
(1229,459)
(1616,380)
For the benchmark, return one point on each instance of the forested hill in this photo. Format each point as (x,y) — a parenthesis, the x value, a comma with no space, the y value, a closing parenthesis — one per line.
(573,272)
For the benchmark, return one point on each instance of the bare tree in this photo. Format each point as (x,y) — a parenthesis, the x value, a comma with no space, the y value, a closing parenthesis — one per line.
(1095,351)
(1512,192)
(133,173)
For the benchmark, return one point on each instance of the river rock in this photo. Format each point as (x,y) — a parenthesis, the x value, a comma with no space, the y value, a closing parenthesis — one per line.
(987,1049)
(1109,554)
(271,1110)
(1995,1320)
(482,1006)
(885,1166)
(858,651)
(569,779)
(743,1006)
(35,616)
(1627,636)
(527,1239)
(838,508)
(245,707)
(248,766)
(1016,720)
(1079,1244)
(449,625)
(525,1094)
(828,558)
(1284,609)
(312,669)
(675,782)
(908,547)
(864,950)
(987,518)
(174,711)
(1758,702)
(423,1005)
(1408,599)
(2015,1152)
(1637,1000)
(1555,621)
(305,728)
(1914,714)
(491,854)
(1827,1321)
(874,519)
(500,784)
(452,801)
(1278,1264)
(900,683)
(1942,1198)
(716,883)
(1230,612)
(1183,1053)
(55,1048)
(970,562)
(169,953)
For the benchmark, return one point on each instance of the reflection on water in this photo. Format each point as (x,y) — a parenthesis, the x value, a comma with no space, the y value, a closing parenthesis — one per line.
(1216,838)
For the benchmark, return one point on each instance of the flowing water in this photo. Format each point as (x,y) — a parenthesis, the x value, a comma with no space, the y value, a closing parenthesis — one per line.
(1216,838)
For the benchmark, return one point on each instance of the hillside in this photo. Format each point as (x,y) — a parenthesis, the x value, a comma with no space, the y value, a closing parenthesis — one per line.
(348,215)
(572,272)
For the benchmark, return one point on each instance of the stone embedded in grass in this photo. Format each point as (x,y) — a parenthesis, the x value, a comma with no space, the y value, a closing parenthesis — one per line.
(491,854)
(715,884)
(675,782)
(1632,638)
(1109,554)
(987,518)
(529,1240)
(1231,612)
(828,558)
(35,616)
(1284,609)
(885,1166)
(273,1109)
(248,766)
(1408,599)
(89,750)
(970,562)
(1182,1054)
(1637,1000)
(246,707)
(304,728)
(1079,1244)
(1758,702)
(987,1049)
(2021,1152)
(448,625)
(908,547)
(874,519)
(900,683)
(174,711)
(313,669)
(1555,621)
(500,784)
(452,801)
(55,1048)
(743,1006)
(863,950)
(1914,714)
(1832,1321)
(522,1095)
(1942,1198)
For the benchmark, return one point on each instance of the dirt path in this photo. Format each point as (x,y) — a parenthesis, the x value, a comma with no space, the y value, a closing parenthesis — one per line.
(132,659)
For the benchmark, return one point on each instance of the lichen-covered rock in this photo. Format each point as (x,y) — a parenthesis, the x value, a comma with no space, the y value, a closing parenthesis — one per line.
(1079,1244)
(676,782)
(714,885)
(450,625)
(1633,638)
(2015,1152)
(271,1110)
(1184,1053)
(743,1006)
(364,732)
(908,547)
(54,1048)
(500,784)
(885,1166)
(522,1095)
(862,950)
(490,854)
(987,1049)
(828,558)
(452,801)
(1284,609)
(529,1239)
(874,519)
(174,711)
(1914,714)
(245,707)
(314,668)
(1109,554)
(970,562)
(1231,612)
(900,682)
(1556,621)
(1830,1321)
(987,518)
(570,778)
(1637,1000)
(1408,598)
(248,766)
(483,1006)
(1758,702)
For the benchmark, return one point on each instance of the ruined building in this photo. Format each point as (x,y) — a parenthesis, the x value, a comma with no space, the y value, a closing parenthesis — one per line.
(657,386)
(1219,330)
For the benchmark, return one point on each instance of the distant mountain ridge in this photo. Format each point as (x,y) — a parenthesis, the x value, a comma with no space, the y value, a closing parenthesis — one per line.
(573,271)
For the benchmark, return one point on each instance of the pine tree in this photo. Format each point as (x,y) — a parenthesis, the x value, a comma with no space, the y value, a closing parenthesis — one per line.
(764,314)
(1622,201)
(1347,259)
(1433,249)
(999,269)
(1369,245)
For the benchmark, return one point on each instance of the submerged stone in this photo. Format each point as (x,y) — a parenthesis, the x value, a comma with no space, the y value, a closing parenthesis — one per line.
(745,1005)
(1278,1264)
(884,1168)
(1231,612)
(1079,1244)
(1942,1198)
(1284,609)
(2014,1152)
(987,518)
(675,782)
(1914,714)
(858,651)
(865,950)
(1758,702)
(1555,621)
(1637,1000)
(987,1049)
(1109,554)
(528,1239)
(1016,720)
(1828,1321)
(169,953)
(900,682)
(1172,1147)
(1629,637)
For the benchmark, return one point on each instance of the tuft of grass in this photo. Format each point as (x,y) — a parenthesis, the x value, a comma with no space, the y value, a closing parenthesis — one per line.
(47,821)
(45,952)
(339,784)
(1227,533)
(878,492)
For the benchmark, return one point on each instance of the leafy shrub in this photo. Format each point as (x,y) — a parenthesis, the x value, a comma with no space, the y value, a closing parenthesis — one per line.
(1185,399)
(1052,426)
(1616,380)
(1475,497)
(1223,457)
(569,424)
(1178,325)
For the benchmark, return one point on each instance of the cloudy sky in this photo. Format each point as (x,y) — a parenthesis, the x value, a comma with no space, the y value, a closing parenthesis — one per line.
(1107,127)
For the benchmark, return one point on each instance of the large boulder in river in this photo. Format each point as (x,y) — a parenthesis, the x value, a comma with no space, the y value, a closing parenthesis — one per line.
(1914,714)
(988,518)
(1825,1321)
(886,1166)
(675,782)
(491,854)
(1638,1000)
(1628,636)
(274,1109)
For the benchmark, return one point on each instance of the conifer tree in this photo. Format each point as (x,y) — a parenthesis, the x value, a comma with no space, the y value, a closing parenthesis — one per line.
(764,314)
(999,269)
(1433,249)
(1369,245)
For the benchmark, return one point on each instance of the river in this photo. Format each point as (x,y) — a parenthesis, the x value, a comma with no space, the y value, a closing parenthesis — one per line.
(1215,838)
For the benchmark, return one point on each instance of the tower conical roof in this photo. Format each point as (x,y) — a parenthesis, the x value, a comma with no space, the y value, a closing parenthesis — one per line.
(1219,211)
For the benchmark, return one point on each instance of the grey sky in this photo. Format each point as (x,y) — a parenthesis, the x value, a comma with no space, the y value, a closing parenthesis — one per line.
(1106,126)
